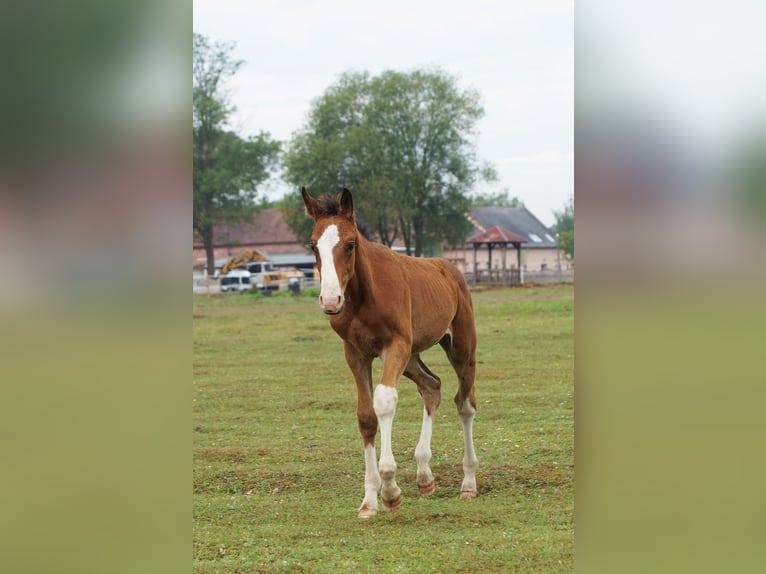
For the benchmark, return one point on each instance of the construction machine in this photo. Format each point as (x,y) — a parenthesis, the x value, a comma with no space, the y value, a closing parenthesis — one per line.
(262,273)
(242,260)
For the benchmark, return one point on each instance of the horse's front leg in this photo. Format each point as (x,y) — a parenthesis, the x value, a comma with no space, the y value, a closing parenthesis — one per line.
(361,367)
(395,359)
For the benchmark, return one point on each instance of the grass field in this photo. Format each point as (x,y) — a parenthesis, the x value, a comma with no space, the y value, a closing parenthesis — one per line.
(278,462)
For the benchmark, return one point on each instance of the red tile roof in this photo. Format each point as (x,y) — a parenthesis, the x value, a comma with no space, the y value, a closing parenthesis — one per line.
(266,228)
(496,234)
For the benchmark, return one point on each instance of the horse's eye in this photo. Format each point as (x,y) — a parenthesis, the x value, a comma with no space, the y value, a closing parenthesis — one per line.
(350,247)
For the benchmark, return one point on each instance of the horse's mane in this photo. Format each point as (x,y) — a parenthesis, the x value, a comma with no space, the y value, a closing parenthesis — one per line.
(330,205)
(365,231)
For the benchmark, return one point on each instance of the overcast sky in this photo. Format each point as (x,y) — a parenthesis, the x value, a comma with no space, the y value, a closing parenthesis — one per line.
(518,54)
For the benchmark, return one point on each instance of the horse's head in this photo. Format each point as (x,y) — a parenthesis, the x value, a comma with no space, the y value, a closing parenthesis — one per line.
(334,243)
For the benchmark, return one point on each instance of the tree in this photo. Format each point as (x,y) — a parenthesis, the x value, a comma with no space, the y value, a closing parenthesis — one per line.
(744,170)
(565,229)
(227,168)
(294,214)
(403,142)
(498,199)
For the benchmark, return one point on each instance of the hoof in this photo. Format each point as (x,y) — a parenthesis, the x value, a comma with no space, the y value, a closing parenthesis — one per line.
(392,504)
(365,512)
(468,494)
(427,489)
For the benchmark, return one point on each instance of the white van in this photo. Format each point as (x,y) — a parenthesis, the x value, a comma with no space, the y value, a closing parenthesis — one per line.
(237,280)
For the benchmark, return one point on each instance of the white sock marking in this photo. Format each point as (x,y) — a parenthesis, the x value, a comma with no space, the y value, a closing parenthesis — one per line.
(423,450)
(384,403)
(371,479)
(470,462)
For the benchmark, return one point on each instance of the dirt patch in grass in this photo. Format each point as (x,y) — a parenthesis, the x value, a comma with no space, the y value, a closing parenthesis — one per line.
(536,477)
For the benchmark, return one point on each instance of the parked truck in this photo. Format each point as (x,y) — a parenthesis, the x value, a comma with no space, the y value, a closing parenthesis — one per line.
(236,281)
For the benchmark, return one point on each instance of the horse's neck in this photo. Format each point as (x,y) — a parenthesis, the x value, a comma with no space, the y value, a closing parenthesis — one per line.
(360,286)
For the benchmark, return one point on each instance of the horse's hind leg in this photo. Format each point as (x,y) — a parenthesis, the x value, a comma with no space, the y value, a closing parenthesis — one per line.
(467,412)
(461,351)
(429,387)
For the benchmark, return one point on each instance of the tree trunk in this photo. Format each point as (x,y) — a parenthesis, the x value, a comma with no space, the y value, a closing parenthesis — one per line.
(406,235)
(210,253)
(419,239)
(206,234)
(387,235)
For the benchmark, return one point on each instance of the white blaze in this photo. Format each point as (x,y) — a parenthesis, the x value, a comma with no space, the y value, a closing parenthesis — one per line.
(330,286)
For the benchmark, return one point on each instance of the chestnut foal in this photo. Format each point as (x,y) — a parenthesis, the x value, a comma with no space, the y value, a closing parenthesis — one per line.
(391,306)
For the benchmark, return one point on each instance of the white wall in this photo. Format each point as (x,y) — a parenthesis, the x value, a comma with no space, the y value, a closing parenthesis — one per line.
(531,259)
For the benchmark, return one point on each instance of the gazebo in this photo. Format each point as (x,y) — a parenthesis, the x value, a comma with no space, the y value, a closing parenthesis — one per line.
(497,237)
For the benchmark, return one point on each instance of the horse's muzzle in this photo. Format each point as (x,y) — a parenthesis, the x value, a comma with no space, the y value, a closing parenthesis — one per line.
(331,308)
(329,312)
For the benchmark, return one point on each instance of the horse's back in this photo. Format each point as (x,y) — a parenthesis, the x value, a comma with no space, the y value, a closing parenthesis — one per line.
(439,297)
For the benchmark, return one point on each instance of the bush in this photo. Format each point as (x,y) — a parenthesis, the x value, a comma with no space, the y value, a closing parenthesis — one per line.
(310,292)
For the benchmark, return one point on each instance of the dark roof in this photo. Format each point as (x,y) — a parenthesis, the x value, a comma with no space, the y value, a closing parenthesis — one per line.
(288,259)
(495,234)
(517,220)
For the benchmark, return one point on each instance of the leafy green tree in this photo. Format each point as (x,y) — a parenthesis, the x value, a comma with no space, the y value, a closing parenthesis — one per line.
(565,229)
(744,171)
(227,168)
(294,214)
(498,199)
(403,143)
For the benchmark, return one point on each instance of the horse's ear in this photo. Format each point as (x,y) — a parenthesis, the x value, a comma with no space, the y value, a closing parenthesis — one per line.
(312,207)
(347,204)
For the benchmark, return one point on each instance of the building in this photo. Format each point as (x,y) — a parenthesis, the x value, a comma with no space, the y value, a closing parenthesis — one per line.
(267,232)
(537,249)
(538,253)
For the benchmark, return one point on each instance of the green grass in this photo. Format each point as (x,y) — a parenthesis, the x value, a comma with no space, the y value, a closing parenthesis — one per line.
(278,461)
